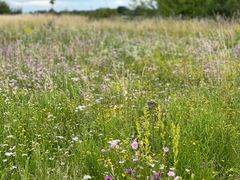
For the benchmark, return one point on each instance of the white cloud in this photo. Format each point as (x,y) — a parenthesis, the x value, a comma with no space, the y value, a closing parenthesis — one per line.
(36,3)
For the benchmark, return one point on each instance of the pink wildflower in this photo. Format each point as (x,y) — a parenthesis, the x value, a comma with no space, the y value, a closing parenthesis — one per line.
(134,145)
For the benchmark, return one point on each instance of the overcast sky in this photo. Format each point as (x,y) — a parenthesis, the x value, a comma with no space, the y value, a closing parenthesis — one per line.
(32,5)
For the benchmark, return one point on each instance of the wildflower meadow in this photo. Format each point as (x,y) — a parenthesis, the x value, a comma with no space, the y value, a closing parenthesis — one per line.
(113,99)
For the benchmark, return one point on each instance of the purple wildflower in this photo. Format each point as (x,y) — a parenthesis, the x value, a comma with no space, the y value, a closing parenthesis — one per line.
(108,178)
(165,149)
(156,176)
(130,171)
(171,174)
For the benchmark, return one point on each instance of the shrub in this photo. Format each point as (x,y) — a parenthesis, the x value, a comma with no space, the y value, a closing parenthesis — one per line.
(103,13)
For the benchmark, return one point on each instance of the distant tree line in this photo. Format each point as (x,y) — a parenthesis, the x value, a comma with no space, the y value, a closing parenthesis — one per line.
(5,9)
(190,8)
(103,12)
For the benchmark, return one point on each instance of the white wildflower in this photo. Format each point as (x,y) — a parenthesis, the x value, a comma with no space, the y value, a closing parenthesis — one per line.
(60,137)
(10,136)
(3,145)
(86,177)
(162,166)
(75,138)
(114,143)
(75,79)
(10,154)
(80,108)
(122,162)
(13,167)
(50,116)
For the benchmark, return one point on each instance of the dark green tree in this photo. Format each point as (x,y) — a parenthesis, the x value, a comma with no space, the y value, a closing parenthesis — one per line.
(233,6)
(4,8)
(192,8)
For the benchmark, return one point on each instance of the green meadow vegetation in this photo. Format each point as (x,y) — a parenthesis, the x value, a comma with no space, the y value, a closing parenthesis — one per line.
(119,99)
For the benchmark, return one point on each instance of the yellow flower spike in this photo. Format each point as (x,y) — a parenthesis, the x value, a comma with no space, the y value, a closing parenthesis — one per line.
(175,142)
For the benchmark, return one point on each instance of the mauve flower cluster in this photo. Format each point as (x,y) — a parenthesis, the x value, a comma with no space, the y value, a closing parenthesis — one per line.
(137,162)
